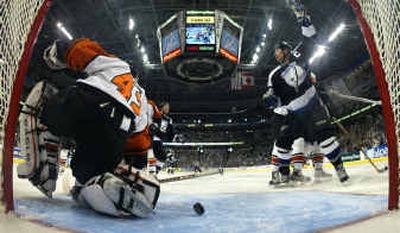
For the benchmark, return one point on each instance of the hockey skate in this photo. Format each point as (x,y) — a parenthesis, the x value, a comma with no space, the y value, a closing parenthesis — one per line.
(275,178)
(342,174)
(298,176)
(279,180)
(320,174)
(40,147)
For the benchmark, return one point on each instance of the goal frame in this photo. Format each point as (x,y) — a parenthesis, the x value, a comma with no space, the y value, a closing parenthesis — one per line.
(388,114)
(12,117)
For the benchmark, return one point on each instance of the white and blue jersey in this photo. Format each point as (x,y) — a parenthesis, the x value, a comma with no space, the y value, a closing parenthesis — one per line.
(292,86)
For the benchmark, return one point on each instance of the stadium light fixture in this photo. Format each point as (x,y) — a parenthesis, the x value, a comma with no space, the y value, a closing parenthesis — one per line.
(338,30)
(145,58)
(131,24)
(264,35)
(270,24)
(64,31)
(142,50)
(258,49)
(255,58)
(321,50)
(262,44)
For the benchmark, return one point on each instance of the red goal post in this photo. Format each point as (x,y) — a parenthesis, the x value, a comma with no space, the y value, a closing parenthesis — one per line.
(20,23)
(379,21)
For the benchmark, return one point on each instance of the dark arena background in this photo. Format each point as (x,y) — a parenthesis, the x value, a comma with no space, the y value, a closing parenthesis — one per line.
(209,62)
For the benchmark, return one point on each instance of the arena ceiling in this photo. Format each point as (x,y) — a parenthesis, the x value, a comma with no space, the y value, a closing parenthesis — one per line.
(107,21)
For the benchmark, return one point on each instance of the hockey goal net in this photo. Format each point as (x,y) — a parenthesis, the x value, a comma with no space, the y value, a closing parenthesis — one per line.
(20,22)
(379,21)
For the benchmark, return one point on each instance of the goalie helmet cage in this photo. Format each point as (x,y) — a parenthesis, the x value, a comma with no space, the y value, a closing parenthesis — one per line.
(21,20)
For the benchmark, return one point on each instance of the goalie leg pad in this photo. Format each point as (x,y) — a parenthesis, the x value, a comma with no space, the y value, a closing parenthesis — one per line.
(118,195)
(40,147)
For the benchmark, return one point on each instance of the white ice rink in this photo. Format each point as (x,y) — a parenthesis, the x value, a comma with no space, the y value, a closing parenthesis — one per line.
(238,201)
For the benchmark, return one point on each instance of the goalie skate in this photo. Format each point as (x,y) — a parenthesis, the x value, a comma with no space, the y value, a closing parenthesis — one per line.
(40,147)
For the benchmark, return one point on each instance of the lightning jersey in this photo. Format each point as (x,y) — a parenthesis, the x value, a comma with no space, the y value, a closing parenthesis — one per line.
(290,83)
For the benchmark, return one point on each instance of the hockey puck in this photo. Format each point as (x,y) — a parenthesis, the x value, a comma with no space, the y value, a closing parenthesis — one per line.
(198,208)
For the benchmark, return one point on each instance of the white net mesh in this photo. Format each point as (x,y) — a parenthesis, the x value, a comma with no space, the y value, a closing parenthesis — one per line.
(383,17)
(16,19)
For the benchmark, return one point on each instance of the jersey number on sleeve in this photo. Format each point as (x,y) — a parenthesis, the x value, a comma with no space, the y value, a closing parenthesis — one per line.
(126,84)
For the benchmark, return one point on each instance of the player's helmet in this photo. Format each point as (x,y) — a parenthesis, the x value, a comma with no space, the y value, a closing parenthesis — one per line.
(287,51)
(284,45)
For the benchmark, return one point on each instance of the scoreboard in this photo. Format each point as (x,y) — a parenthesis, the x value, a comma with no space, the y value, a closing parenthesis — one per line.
(189,38)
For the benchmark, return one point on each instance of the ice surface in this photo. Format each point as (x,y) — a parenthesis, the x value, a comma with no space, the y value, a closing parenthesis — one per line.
(238,201)
(300,211)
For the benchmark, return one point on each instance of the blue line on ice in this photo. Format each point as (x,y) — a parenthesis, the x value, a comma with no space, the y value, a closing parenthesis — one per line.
(283,212)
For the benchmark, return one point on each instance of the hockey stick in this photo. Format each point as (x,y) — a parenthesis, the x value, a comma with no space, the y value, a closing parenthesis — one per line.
(343,129)
(330,117)
(187,177)
(379,170)
(355,98)
(346,133)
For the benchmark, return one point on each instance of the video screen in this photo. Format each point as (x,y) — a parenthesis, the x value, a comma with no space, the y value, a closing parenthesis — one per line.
(170,42)
(230,42)
(230,38)
(200,34)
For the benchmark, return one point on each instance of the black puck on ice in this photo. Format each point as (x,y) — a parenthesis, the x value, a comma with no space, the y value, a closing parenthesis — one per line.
(198,208)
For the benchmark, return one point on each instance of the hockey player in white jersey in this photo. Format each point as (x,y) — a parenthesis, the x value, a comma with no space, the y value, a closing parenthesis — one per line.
(297,113)
(99,112)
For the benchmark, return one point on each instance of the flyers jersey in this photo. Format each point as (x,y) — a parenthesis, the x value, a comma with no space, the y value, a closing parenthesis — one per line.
(110,75)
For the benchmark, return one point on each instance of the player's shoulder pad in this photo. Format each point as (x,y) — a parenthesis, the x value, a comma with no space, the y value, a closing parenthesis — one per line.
(271,75)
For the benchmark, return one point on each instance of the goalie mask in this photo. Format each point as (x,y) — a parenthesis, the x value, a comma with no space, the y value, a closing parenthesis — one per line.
(53,54)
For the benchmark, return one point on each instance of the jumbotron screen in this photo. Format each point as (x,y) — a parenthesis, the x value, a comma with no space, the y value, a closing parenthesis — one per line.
(200,34)
(200,31)
(230,41)
(170,43)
